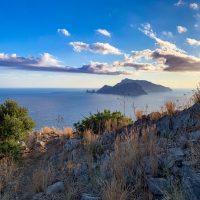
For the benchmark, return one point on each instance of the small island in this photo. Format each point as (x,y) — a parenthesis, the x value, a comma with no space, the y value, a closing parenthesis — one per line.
(129,87)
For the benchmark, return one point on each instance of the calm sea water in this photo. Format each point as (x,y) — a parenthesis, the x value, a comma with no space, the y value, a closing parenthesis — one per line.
(63,107)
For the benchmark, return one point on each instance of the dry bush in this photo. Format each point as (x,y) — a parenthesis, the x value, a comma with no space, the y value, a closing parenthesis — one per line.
(139,114)
(155,116)
(73,189)
(196,95)
(170,108)
(68,132)
(7,171)
(89,137)
(129,161)
(116,190)
(42,177)
(195,154)
(47,130)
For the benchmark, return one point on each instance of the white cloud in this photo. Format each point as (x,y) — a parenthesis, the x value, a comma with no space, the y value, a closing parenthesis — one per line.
(104,32)
(194,6)
(193,42)
(179,3)
(181,29)
(167,33)
(47,60)
(147,30)
(102,48)
(63,31)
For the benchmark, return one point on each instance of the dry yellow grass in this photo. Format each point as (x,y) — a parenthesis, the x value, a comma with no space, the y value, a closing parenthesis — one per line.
(139,114)
(116,190)
(42,177)
(154,116)
(68,132)
(196,95)
(170,108)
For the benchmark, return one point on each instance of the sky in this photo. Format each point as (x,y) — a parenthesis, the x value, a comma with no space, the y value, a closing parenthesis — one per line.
(87,44)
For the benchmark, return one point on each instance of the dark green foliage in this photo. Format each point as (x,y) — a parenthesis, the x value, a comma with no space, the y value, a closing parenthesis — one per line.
(102,122)
(96,149)
(14,126)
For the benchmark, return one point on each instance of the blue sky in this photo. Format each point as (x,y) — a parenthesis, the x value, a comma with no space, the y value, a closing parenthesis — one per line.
(59,43)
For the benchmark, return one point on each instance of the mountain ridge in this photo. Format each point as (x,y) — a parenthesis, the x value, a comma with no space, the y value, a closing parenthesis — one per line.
(129,87)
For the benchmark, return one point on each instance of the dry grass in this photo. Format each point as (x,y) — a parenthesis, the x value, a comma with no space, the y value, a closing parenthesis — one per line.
(155,116)
(195,154)
(196,95)
(68,132)
(128,166)
(42,177)
(7,171)
(139,114)
(170,108)
(116,190)
(89,137)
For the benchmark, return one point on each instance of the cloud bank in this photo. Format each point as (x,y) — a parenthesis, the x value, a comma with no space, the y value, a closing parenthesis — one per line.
(167,57)
(47,62)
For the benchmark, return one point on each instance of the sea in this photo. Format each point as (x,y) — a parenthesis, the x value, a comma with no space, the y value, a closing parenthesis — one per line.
(64,107)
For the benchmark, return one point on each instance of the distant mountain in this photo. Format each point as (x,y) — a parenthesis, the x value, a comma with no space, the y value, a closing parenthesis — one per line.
(128,87)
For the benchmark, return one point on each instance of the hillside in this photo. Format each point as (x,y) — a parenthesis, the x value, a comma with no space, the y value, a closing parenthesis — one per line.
(156,157)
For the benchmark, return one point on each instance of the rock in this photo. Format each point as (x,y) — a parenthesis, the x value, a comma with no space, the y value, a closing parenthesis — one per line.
(177,152)
(40,144)
(158,186)
(55,188)
(107,138)
(23,145)
(190,183)
(183,142)
(80,170)
(72,144)
(195,135)
(181,122)
(89,197)
(175,156)
(38,196)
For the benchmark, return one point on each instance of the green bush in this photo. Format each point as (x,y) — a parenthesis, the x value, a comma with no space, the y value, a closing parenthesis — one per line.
(14,126)
(102,122)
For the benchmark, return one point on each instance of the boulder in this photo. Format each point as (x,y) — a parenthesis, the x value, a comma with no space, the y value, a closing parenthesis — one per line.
(182,122)
(55,188)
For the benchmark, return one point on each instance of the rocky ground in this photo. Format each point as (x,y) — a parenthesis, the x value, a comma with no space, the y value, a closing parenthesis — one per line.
(150,159)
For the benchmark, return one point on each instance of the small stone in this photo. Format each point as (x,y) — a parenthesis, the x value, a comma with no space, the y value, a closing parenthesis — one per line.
(89,197)
(55,188)
(38,196)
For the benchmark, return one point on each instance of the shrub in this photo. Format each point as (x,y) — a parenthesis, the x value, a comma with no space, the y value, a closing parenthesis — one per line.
(14,126)
(170,108)
(102,122)
(139,114)
(196,95)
